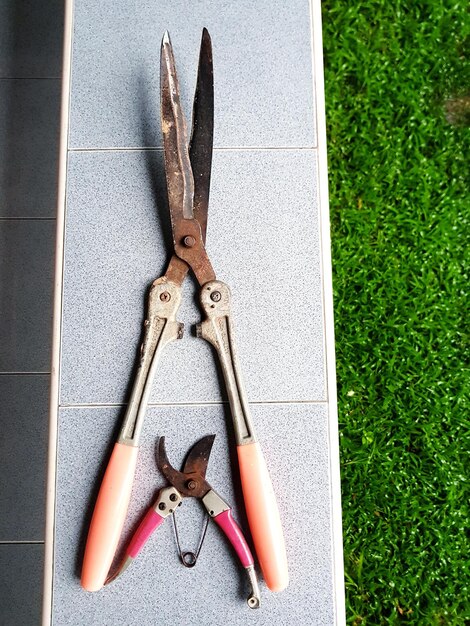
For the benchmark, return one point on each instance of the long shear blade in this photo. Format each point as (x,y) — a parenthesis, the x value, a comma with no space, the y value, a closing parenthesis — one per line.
(187,231)
(202,135)
(178,169)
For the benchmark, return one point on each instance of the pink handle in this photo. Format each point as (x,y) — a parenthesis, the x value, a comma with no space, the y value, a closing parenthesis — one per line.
(263,516)
(234,534)
(151,521)
(108,516)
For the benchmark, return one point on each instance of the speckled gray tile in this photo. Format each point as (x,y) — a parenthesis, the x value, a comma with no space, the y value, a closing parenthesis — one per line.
(23,416)
(26,268)
(262,61)
(294,439)
(21,568)
(263,241)
(31,38)
(29,122)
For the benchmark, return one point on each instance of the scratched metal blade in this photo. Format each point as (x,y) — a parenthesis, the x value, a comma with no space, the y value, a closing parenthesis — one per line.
(200,149)
(178,170)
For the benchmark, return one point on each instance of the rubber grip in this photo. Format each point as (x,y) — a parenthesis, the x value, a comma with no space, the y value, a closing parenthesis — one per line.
(108,516)
(234,534)
(151,521)
(263,516)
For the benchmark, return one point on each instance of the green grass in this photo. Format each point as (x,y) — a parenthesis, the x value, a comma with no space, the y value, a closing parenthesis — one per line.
(397,87)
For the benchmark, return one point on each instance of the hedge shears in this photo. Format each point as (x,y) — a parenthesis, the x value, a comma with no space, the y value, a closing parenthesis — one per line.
(188,171)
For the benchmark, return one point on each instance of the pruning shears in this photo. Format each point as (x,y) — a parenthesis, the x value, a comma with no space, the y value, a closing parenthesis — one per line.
(188,171)
(191,483)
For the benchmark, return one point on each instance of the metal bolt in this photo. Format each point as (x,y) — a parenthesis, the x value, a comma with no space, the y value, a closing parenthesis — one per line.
(189,241)
(173,497)
(162,506)
(165,296)
(215,296)
(191,484)
(253,602)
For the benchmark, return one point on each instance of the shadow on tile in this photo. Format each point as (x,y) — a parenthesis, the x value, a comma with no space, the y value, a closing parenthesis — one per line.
(26,282)
(29,125)
(31,39)
(21,569)
(23,415)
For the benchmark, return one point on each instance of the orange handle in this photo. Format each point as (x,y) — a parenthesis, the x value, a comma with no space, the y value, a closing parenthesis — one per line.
(263,516)
(108,516)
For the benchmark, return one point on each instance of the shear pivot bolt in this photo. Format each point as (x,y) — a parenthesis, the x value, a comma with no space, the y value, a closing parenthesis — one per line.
(165,296)
(189,241)
(162,506)
(173,497)
(215,296)
(191,484)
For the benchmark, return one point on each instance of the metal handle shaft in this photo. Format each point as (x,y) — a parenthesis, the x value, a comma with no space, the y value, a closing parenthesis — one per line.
(221,513)
(161,328)
(111,506)
(260,501)
(218,330)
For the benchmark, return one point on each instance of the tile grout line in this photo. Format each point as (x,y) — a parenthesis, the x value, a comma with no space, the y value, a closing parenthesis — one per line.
(216,149)
(25,373)
(192,404)
(20,542)
(27,219)
(30,78)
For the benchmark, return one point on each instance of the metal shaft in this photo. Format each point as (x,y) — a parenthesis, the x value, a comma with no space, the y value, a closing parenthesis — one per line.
(217,328)
(161,328)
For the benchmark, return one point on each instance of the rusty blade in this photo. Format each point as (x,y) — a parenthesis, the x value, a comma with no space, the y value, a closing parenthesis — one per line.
(191,483)
(198,456)
(187,234)
(175,137)
(202,134)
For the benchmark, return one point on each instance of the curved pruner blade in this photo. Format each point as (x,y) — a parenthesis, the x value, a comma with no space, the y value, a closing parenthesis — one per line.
(190,482)
(198,456)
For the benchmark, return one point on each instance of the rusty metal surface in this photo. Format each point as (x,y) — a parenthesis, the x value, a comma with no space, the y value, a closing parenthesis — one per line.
(177,270)
(188,201)
(188,238)
(189,224)
(198,457)
(190,483)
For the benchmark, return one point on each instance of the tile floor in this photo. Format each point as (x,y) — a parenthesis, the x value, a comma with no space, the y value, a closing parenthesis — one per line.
(264,214)
(30,69)
(110,111)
